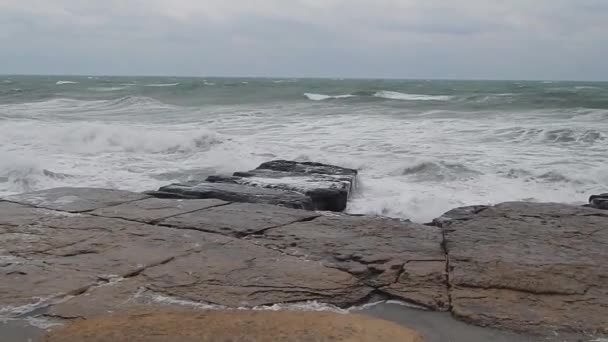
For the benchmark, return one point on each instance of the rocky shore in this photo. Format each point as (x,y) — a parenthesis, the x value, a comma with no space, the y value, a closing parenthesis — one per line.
(74,254)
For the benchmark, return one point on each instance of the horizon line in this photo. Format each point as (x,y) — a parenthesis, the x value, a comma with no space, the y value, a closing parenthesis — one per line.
(310,77)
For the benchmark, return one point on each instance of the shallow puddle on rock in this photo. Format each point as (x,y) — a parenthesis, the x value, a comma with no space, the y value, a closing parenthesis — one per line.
(442,327)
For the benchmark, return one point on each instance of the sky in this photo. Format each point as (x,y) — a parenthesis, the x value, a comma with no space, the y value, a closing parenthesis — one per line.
(462,39)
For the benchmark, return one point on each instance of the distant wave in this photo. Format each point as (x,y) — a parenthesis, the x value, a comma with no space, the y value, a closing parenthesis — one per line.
(393,95)
(162,84)
(66,82)
(107,89)
(586,87)
(285,81)
(99,138)
(322,97)
(66,107)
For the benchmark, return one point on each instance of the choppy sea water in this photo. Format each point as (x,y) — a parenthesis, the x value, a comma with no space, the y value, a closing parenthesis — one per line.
(422,147)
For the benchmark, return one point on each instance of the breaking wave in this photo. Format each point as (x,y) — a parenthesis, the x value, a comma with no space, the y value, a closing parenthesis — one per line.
(21,175)
(321,97)
(99,138)
(393,95)
(66,82)
(384,94)
(437,171)
(162,85)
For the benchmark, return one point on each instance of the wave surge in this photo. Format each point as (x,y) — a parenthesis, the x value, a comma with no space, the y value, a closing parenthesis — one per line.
(322,97)
(393,95)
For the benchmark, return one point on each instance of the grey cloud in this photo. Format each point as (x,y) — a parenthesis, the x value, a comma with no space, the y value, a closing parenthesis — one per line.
(546,39)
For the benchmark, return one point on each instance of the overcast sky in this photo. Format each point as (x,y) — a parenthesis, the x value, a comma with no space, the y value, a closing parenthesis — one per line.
(490,39)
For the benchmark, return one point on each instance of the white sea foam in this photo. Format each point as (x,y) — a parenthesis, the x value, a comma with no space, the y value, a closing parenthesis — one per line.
(66,82)
(393,95)
(413,164)
(321,97)
(162,84)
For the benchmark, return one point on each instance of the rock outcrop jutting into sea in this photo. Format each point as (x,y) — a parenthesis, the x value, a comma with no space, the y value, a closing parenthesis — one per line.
(309,186)
(80,253)
(599,201)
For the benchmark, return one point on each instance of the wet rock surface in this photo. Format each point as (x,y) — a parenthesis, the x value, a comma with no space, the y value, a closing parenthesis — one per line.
(530,267)
(599,201)
(76,200)
(235,193)
(309,186)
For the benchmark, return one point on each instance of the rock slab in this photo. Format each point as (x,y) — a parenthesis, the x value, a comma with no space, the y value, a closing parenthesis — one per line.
(234,193)
(599,201)
(76,200)
(325,187)
(399,258)
(530,266)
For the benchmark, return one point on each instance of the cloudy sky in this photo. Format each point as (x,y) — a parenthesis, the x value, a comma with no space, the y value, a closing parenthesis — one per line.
(488,39)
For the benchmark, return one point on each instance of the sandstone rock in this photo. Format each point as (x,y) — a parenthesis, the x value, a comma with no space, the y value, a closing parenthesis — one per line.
(76,199)
(522,266)
(235,193)
(152,210)
(57,260)
(532,267)
(239,219)
(46,255)
(458,214)
(235,326)
(399,258)
(241,274)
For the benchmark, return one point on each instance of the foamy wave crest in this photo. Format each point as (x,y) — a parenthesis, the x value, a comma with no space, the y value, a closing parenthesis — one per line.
(162,84)
(322,97)
(18,174)
(437,171)
(65,107)
(99,138)
(393,95)
(550,177)
(66,82)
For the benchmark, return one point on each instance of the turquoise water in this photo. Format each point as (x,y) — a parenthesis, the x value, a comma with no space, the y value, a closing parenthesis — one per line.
(222,91)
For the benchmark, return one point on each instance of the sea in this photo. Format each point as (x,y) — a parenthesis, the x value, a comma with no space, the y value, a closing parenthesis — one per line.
(422,147)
